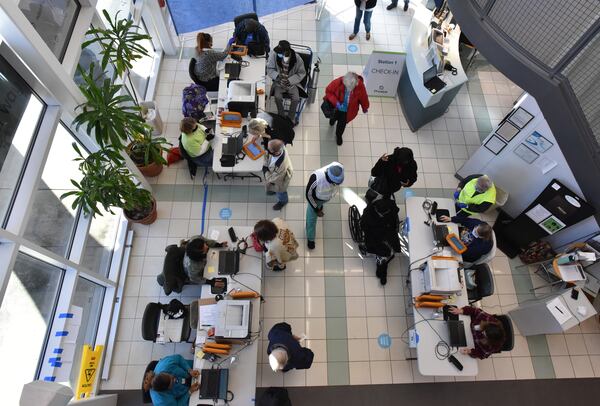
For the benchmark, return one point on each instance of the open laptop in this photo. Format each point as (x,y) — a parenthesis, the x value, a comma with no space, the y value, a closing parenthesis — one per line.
(456,330)
(229,262)
(213,383)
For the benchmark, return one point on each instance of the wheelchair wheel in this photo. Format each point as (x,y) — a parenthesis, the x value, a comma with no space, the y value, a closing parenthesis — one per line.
(354,223)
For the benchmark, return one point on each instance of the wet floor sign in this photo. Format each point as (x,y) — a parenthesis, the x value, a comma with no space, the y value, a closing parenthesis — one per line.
(90,361)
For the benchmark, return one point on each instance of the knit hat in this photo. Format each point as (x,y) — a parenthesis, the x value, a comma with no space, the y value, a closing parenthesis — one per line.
(335,173)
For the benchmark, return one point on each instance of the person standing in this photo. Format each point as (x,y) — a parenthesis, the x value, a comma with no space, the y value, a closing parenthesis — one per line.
(363,7)
(391,172)
(322,186)
(286,69)
(278,171)
(345,94)
(394,4)
(285,351)
(474,194)
(279,242)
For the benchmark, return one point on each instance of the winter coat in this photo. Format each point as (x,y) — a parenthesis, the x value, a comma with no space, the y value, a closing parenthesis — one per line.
(334,93)
(277,178)
(261,35)
(283,248)
(173,276)
(296,70)
(370,4)
(379,223)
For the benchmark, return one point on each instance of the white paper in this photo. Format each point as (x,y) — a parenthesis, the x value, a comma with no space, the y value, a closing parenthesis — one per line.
(538,213)
(559,310)
(570,273)
(214,235)
(208,315)
(545,164)
(555,186)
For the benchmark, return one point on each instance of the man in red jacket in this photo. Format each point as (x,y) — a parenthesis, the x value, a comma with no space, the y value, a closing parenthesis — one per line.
(345,94)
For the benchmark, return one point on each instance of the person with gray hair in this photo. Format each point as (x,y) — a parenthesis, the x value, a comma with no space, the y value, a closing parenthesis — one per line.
(474,194)
(257,128)
(345,94)
(285,351)
(278,171)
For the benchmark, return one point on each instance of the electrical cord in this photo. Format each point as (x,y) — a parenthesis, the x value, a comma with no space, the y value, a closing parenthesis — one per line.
(442,348)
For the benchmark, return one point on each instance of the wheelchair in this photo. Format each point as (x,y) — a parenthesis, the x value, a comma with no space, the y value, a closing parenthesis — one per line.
(306,54)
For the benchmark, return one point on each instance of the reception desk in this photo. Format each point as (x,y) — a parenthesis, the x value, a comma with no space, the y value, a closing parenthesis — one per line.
(419,105)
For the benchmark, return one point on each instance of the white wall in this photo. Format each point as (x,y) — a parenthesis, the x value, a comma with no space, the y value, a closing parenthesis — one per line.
(524,182)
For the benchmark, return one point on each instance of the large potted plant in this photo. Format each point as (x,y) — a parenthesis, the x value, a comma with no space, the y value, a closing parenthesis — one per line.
(146,152)
(107,182)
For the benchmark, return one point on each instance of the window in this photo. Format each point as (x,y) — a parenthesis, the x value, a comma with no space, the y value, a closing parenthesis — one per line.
(51,220)
(25,317)
(20,114)
(100,242)
(123,7)
(143,67)
(89,55)
(53,20)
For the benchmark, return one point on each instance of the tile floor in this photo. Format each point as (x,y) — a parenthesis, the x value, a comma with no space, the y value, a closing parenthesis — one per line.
(330,293)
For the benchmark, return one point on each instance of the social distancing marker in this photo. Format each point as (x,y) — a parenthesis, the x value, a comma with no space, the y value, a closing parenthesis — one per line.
(225,213)
(384,340)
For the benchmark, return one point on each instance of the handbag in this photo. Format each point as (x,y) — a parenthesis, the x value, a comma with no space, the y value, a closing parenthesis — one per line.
(327,108)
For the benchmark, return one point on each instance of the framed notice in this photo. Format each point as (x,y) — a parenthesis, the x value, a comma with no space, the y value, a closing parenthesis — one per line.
(520,117)
(526,154)
(495,144)
(538,142)
(507,130)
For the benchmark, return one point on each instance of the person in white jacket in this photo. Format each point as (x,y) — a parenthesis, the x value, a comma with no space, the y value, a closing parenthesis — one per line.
(279,242)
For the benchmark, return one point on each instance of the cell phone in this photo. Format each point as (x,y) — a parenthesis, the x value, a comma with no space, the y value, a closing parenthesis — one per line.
(232,235)
(574,294)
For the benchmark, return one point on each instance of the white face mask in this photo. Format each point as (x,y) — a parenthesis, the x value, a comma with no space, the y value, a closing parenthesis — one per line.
(474,232)
(286,59)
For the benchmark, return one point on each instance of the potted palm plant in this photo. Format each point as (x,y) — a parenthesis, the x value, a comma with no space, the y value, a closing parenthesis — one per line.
(107,182)
(146,152)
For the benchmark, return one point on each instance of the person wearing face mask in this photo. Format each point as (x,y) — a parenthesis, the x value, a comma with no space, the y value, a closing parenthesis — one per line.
(392,172)
(278,171)
(286,68)
(345,94)
(488,333)
(254,35)
(322,186)
(474,194)
(194,259)
(475,234)
(171,381)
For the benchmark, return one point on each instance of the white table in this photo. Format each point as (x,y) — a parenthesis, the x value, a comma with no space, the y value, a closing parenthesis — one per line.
(242,375)
(421,244)
(255,72)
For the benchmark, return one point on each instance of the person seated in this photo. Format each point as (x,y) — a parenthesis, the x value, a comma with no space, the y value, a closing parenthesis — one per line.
(284,350)
(173,276)
(254,35)
(286,68)
(391,172)
(475,234)
(195,139)
(171,381)
(488,333)
(194,259)
(279,242)
(474,194)
(267,126)
(206,62)
(379,223)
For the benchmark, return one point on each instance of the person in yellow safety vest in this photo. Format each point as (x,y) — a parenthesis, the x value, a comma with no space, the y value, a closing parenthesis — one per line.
(474,194)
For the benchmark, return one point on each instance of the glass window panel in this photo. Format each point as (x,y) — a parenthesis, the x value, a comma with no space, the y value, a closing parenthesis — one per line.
(25,317)
(20,114)
(53,20)
(89,55)
(100,242)
(142,68)
(51,220)
(123,7)
(88,296)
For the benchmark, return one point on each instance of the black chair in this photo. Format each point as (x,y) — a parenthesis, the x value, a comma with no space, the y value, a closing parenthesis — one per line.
(146,394)
(485,283)
(192,71)
(242,17)
(509,344)
(151,319)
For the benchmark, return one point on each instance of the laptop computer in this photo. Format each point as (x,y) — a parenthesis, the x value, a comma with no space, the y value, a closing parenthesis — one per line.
(440,232)
(234,144)
(456,330)
(213,383)
(233,69)
(229,262)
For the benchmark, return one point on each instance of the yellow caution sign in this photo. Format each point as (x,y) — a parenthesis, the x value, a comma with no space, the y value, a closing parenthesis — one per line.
(90,360)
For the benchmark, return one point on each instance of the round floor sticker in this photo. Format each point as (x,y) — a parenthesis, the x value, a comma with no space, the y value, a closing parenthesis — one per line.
(225,213)
(384,340)
(353,48)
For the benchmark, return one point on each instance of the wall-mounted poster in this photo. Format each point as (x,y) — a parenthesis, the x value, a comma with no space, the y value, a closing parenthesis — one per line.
(525,153)
(520,117)
(507,130)
(495,144)
(538,143)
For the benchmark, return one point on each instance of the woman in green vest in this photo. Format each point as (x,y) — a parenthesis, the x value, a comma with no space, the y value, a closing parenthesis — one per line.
(474,194)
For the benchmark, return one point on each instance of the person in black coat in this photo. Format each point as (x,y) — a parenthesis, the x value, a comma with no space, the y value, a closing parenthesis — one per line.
(391,172)
(173,277)
(284,350)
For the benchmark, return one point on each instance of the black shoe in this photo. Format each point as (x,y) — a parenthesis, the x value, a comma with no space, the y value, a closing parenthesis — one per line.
(331,121)
(339,140)
(362,248)
(270,193)
(311,245)
(405,6)
(391,6)
(383,279)
(278,206)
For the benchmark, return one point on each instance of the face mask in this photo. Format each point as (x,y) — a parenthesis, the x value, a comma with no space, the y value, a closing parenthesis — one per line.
(474,232)
(280,55)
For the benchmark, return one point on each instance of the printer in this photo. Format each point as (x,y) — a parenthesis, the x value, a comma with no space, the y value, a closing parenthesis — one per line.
(242,97)
(233,319)
(440,276)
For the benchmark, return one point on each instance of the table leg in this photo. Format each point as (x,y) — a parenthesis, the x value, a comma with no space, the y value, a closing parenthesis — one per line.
(242,176)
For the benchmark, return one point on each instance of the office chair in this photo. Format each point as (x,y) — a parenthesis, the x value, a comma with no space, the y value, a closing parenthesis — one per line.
(146,394)
(194,314)
(242,17)
(509,344)
(485,283)
(192,71)
(151,320)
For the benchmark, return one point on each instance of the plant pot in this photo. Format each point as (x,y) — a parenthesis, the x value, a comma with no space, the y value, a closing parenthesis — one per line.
(148,219)
(150,170)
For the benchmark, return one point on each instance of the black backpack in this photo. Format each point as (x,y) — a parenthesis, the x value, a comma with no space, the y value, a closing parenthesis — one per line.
(275,397)
(174,310)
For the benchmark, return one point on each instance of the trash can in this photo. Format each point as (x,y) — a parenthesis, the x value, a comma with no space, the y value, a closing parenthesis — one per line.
(152,116)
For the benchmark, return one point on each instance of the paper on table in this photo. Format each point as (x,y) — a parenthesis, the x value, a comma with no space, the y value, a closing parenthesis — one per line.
(214,235)
(208,315)
(559,310)
(538,213)
(570,273)
(545,164)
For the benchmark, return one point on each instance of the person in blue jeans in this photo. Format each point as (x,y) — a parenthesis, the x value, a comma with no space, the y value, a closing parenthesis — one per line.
(394,4)
(170,384)
(278,171)
(363,7)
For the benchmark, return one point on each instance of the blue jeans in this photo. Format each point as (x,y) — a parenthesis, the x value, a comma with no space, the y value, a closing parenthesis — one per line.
(204,160)
(282,197)
(311,221)
(367,20)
